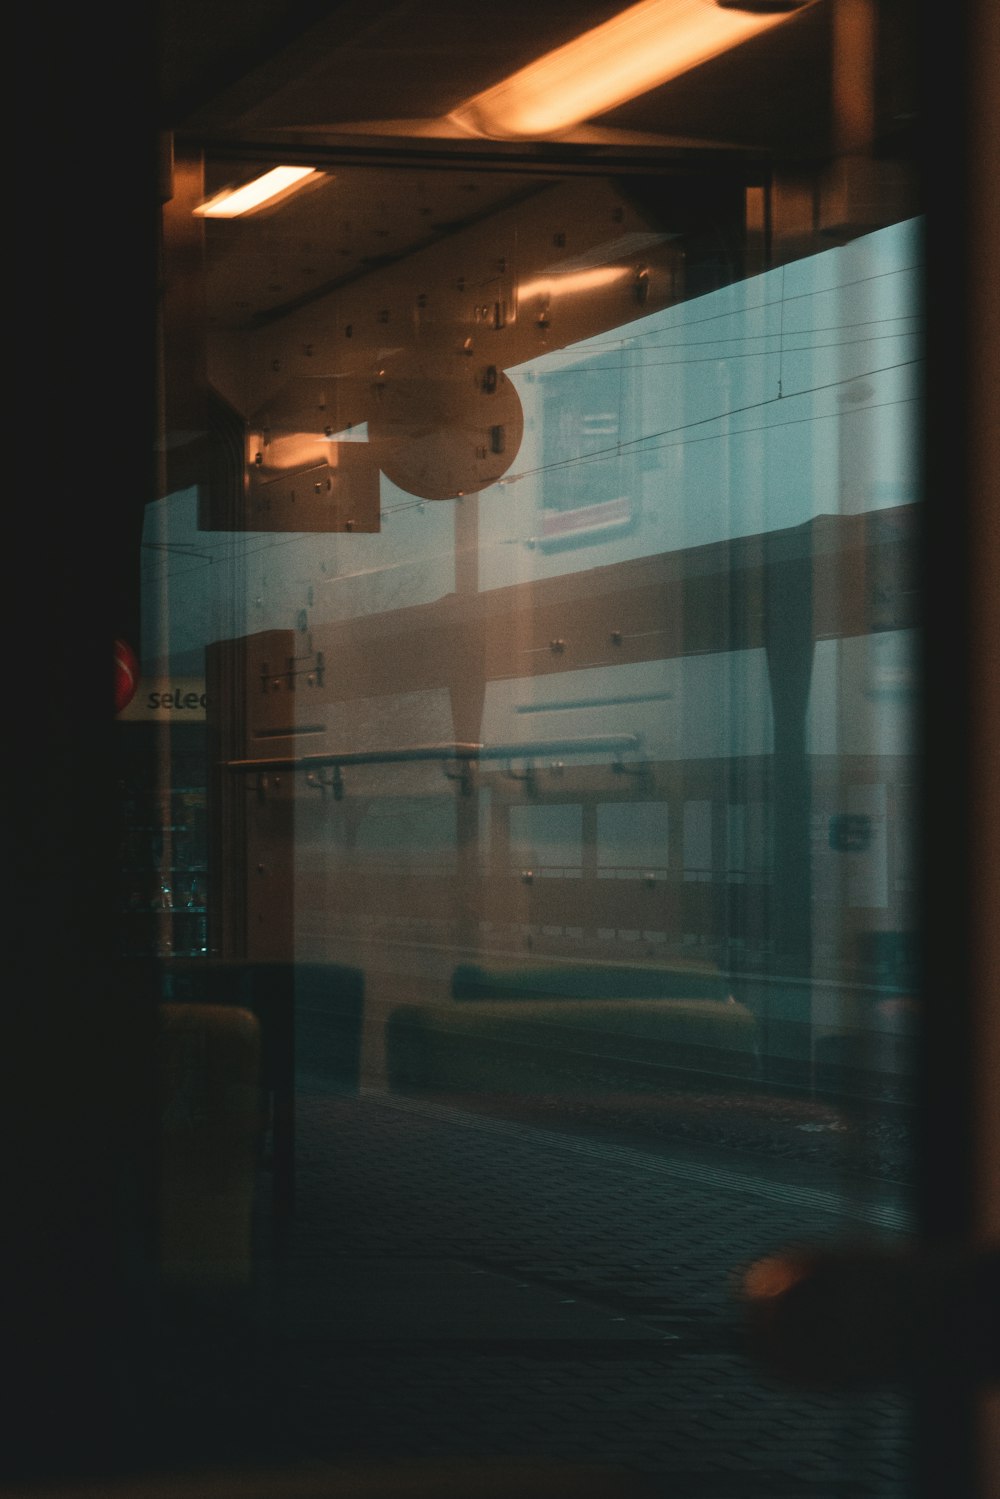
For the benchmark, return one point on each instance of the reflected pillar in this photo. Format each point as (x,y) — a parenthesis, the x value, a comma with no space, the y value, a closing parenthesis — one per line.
(788,633)
(467,690)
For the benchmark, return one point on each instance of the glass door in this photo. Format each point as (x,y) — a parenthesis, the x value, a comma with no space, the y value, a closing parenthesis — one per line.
(552,580)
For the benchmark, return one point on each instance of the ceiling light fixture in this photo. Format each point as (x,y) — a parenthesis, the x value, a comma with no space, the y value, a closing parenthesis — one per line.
(644,46)
(233,202)
(563,282)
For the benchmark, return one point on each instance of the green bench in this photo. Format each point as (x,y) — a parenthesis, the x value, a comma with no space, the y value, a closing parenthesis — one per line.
(554,1028)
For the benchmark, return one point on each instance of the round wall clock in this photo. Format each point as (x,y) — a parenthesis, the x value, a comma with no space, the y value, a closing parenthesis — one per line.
(442,426)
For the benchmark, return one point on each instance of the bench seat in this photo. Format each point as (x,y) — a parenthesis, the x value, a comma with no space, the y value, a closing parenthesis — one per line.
(553,1029)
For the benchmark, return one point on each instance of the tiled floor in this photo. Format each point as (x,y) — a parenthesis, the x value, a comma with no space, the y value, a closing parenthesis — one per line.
(460,1284)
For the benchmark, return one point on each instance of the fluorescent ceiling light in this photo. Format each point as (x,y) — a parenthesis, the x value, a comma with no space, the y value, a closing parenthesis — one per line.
(234,201)
(644,46)
(571,281)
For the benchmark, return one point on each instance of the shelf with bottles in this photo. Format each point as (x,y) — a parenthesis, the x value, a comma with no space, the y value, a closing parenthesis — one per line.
(165,930)
(163,892)
(163,865)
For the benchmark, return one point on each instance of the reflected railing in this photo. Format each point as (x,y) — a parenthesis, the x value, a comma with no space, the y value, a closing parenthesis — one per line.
(466,752)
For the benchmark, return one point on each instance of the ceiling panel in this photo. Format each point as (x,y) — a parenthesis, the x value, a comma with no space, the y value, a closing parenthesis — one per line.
(403,60)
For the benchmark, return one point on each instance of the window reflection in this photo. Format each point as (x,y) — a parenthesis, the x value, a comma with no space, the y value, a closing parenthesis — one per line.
(687,615)
(589,756)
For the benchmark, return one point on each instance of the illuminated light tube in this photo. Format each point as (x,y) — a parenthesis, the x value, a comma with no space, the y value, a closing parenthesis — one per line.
(571,281)
(644,46)
(234,201)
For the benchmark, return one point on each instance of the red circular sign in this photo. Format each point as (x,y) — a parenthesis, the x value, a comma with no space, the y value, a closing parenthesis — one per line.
(126,674)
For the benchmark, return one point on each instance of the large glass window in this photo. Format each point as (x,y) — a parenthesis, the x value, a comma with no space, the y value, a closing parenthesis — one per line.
(545,590)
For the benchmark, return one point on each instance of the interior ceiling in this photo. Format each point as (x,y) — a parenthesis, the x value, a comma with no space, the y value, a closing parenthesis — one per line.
(267,71)
(356,87)
(359,217)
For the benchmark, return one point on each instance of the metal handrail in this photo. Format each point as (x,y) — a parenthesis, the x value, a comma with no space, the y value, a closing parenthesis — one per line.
(530,749)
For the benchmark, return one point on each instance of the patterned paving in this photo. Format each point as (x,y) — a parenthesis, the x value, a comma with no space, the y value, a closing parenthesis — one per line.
(460,1285)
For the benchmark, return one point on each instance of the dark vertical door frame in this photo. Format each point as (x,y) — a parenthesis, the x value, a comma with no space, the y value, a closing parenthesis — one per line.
(983,239)
(960,901)
(77,1023)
